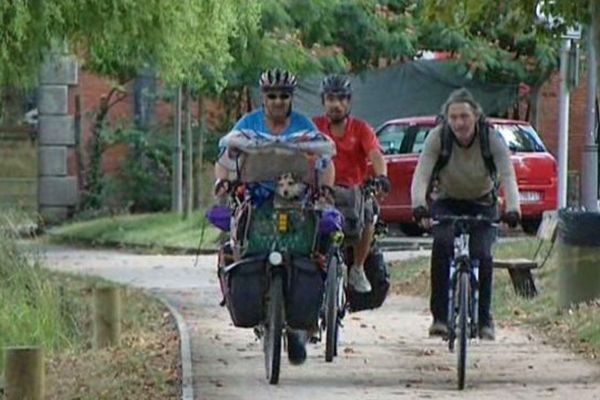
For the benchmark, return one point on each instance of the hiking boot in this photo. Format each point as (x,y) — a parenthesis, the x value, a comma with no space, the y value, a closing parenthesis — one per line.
(296,348)
(438,328)
(487,332)
(358,280)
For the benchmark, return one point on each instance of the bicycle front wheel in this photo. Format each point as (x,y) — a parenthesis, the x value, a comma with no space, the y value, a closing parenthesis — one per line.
(273,330)
(331,309)
(463,295)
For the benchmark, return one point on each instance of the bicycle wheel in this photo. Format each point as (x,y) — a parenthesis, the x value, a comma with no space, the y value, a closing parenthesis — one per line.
(331,309)
(273,330)
(463,326)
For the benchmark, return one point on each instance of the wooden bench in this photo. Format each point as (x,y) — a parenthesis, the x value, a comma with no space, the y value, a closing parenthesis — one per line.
(520,268)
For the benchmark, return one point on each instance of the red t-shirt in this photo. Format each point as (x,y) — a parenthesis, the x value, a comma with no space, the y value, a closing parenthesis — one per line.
(352,149)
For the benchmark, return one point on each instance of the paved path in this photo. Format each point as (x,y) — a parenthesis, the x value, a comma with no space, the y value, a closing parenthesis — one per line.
(384,353)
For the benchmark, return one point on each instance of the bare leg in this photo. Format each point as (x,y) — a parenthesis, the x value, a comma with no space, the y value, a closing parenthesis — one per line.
(361,249)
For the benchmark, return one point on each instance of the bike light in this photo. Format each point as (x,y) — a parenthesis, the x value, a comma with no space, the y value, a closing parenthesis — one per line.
(282,222)
(275,258)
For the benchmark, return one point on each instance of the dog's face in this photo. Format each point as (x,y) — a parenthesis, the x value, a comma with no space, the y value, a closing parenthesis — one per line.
(288,187)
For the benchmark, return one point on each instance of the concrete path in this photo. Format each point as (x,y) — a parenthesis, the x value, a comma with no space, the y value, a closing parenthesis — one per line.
(384,353)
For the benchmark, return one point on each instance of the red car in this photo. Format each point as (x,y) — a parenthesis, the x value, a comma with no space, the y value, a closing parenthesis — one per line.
(536,169)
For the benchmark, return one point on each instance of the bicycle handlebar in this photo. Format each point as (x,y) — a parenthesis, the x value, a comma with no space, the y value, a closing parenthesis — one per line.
(466,219)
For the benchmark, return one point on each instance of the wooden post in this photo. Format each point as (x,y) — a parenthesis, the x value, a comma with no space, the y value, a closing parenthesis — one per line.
(107,317)
(24,371)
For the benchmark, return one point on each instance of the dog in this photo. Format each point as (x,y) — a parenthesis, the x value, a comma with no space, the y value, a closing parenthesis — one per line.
(288,190)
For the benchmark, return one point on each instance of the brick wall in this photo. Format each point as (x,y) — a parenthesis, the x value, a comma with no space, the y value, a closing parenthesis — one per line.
(548,127)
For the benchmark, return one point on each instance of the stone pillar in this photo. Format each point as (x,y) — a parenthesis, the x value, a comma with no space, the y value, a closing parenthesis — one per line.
(57,192)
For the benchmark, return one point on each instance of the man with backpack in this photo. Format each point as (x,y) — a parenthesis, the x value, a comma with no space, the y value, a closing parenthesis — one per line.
(462,163)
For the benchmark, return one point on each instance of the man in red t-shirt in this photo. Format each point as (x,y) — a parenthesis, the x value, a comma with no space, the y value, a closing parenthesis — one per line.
(356,144)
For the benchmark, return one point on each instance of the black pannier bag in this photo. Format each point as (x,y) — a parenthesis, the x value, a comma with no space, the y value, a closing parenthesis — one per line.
(379,277)
(350,202)
(304,294)
(243,285)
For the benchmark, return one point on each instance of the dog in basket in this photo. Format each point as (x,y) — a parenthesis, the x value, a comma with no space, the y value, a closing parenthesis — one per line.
(289,191)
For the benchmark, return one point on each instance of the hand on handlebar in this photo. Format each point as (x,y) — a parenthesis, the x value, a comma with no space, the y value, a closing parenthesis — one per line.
(422,217)
(511,218)
(221,187)
(383,185)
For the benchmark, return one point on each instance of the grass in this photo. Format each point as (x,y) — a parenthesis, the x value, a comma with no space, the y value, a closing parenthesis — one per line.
(577,327)
(160,231)
(54,310)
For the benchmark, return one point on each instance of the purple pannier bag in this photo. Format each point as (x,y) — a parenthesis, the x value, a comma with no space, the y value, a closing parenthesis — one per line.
(331,221)
(219,216)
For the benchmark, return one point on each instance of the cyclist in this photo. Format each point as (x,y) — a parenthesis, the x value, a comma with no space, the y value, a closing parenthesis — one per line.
(274,118)
(463,186)
(356,144)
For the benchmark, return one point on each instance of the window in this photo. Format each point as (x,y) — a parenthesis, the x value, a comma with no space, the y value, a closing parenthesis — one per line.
(521,138)
(420,136)
(391,137)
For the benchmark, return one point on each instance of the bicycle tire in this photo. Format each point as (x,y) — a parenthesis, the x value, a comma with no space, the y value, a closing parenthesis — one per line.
(331,309)
(463,326)
(273,330)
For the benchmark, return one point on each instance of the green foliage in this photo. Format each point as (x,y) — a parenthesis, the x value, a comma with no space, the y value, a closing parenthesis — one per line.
(184,41)
(31,306)
(143,182)
(500,41)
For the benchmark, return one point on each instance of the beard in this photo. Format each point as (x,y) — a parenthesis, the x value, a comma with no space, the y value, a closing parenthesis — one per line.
(337,116)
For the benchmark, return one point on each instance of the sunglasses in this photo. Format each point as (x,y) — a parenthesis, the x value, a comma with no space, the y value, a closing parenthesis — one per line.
(281,96)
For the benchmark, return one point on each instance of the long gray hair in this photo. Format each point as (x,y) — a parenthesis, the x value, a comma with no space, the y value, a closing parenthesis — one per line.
(462,95)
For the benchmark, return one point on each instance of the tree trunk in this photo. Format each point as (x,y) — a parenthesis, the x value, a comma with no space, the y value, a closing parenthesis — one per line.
(595,11)
(176,198)
(189,175)
(200,155)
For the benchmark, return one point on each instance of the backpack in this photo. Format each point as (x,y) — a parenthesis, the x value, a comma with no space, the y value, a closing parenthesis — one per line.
(447,138)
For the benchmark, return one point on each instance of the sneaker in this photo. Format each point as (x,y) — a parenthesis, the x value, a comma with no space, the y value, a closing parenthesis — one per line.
(486,332)
(438,328)
(358,280)
(296,348)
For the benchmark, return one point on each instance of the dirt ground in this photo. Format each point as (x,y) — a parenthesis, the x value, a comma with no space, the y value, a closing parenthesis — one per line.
(384,353)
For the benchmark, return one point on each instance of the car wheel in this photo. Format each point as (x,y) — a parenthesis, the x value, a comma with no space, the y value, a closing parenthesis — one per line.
(530,226)
(412,229)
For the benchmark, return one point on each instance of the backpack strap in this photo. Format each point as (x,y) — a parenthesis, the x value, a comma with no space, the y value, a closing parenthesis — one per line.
(447,140)
(484,140)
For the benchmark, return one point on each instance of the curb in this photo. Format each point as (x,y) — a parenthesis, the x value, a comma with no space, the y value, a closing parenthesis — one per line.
(140,248)
(187,376)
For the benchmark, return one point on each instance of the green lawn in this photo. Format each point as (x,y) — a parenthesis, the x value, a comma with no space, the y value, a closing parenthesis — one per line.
(162,231)
(578,327)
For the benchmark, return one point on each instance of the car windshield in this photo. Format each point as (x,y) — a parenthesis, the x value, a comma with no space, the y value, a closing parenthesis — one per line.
(520,138)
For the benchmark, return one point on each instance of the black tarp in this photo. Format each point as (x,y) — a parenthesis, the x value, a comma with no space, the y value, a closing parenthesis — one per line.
(410,89)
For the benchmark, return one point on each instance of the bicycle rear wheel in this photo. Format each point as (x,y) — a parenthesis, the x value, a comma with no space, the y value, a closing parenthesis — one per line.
(273,330)
(463,326)
(331,309)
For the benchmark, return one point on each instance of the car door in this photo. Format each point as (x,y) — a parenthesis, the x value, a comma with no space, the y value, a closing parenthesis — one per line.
(398,141)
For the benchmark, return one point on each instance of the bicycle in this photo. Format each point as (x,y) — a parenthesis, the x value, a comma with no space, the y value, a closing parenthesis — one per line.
(463,289)
(335,301)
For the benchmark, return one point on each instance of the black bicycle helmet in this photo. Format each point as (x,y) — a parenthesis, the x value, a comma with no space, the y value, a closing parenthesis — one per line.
(277,79)
(336,84)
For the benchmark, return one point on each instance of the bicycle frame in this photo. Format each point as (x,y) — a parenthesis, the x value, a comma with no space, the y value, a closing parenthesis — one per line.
(462,263)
